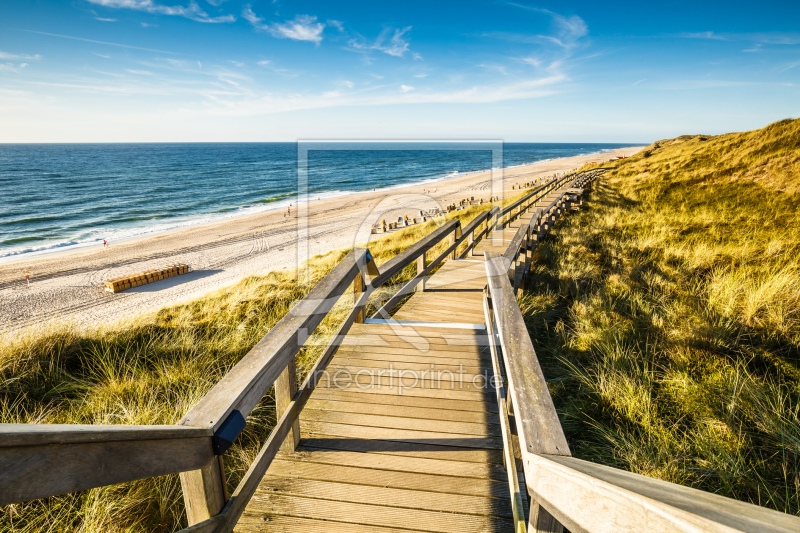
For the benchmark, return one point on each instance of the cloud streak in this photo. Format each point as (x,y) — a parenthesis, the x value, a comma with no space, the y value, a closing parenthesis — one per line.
(394,45)
(102,42)
(192,11)
(6,55)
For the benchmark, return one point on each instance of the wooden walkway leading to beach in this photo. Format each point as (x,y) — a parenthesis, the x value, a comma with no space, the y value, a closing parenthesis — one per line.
(432,416)
(405,433)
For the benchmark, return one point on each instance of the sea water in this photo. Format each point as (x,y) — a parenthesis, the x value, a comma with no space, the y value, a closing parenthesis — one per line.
(66,196)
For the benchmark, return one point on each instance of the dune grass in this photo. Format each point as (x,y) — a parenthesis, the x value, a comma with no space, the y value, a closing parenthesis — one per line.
(152,370)
(666,316)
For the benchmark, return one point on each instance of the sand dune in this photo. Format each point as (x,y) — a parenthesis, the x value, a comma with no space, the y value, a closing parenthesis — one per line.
(69,286)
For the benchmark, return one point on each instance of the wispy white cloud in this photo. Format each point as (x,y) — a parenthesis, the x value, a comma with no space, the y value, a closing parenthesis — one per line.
(101,19)
(147,25)
(406,88)
(640,81)
(143,72)
(264,63)
(390,41)
(568,30)
(6,55)
(102,42)
(420,75)
(336,24)
(763,38)
(192,11)
(236,63)
(302,28)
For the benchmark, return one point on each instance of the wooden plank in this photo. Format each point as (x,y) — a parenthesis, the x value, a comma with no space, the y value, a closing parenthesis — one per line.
(343,491)
(465,366)
(403,449)
(397,479)
(417,345)
(477,395)
(431,404)
(405,435)
(373,515)
(29,472)
(396,421)
(262,522)
(449,466)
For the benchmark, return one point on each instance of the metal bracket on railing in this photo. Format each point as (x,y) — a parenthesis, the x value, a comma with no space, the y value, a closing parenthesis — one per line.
(226,434)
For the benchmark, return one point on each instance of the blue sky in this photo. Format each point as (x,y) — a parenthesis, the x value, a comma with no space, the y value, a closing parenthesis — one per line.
(170,70)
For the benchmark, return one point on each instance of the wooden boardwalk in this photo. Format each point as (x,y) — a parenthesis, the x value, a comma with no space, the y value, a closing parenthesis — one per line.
(416,449)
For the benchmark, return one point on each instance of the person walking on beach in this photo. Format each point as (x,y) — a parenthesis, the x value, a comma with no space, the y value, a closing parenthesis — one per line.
(27,277)
(104,243)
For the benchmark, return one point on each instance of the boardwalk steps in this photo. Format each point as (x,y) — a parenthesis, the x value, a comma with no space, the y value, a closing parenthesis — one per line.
(429,416)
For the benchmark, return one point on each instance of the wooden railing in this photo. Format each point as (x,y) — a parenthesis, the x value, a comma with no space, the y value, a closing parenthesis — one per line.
(563,491)
(41,460)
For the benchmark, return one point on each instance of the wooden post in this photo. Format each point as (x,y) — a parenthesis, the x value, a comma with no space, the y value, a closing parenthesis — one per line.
(204,491)
(453,236)
(285,389)
(420,267)
(540,521)
(358,288)
(470,242)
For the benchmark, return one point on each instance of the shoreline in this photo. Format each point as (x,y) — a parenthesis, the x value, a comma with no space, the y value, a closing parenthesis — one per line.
(218,218)
(67,286)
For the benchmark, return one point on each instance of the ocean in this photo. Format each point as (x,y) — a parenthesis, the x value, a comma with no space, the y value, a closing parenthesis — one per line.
(66,196)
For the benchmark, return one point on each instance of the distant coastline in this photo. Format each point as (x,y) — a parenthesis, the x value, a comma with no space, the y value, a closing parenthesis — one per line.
(68,285)
(92,237)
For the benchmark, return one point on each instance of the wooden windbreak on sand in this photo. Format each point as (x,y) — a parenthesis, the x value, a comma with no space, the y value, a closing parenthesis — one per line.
(129,281)
(486,453)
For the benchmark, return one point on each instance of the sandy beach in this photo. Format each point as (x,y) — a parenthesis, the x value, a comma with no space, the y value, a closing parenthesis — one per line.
(68,287)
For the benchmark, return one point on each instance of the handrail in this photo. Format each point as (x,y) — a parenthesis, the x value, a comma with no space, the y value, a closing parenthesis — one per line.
(566,491)
(583,496)
(40,460)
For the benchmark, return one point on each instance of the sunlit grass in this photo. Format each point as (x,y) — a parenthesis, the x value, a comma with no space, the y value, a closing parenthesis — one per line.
(667,316)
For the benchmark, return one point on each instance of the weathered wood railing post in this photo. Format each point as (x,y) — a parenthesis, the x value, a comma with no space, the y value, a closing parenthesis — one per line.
(453,238)
(358,288)
(420,268)
(285,389)
(471,241)
(204,491)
